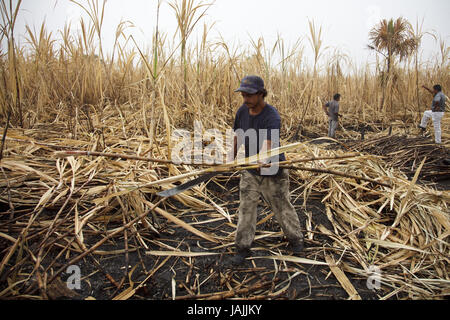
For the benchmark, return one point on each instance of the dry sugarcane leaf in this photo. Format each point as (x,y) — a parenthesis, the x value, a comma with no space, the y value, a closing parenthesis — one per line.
(342,278)
(441,217)
(19,165)
(220,210)
(294,259)
(129,292)
(126,294)
(402,209)
(388,244)
(181,254)
(184,225)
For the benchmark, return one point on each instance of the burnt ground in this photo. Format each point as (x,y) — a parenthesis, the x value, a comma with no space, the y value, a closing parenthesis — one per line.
(102,275)
(105,276)
(210,275)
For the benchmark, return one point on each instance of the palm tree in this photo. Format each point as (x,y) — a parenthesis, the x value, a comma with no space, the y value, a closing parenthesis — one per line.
(392,38)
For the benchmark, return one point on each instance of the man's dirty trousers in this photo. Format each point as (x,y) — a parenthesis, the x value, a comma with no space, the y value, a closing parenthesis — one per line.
(275,191)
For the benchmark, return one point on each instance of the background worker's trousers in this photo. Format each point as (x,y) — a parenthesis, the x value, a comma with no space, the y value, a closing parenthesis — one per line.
(436,117)
(275,190)
(332,127)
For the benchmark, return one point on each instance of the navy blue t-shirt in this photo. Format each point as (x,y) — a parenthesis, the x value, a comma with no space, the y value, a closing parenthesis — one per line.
(256,129)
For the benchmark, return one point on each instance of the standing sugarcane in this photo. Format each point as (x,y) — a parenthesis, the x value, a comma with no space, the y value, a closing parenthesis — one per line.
(187,19)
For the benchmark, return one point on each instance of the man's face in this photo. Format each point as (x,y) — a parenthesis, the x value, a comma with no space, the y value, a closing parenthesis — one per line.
(251,100)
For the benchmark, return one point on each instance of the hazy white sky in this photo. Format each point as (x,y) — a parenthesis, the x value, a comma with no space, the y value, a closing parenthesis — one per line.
(345,23)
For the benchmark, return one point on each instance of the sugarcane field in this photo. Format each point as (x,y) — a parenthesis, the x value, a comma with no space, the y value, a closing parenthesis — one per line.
(188,167)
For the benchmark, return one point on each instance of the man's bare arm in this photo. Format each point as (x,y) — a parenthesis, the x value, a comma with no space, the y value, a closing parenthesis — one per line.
(428,89)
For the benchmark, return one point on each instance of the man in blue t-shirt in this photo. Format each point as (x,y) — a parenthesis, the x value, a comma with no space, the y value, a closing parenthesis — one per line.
(257,126)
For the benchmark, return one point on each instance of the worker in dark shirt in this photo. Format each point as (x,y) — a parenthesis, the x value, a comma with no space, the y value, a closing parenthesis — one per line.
(331,108)
(257,126)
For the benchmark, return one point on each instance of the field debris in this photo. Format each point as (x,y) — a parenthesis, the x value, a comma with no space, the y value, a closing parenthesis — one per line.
(403,152)
(60,211)
(87,168)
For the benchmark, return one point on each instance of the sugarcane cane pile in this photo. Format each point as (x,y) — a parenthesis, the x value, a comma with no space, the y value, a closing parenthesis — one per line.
(406,153)
(60,211)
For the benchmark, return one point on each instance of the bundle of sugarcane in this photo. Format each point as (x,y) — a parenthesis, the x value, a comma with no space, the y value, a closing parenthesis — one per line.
(402,230)
(406,153)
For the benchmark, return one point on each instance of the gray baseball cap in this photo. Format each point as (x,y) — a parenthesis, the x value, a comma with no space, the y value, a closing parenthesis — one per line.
(251,85)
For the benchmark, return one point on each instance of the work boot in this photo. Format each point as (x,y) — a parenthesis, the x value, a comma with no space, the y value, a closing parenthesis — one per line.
(297,246)
(240,256)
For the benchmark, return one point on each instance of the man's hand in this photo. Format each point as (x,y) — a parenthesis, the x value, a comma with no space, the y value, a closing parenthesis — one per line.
(267,146)
(264,163)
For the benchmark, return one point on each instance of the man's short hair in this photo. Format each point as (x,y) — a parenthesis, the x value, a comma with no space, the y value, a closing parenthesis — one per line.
(438,88)
(337,96)
(264,92)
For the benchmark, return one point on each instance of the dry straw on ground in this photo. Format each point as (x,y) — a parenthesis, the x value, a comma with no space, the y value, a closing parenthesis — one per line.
(61,209)
(402,228)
